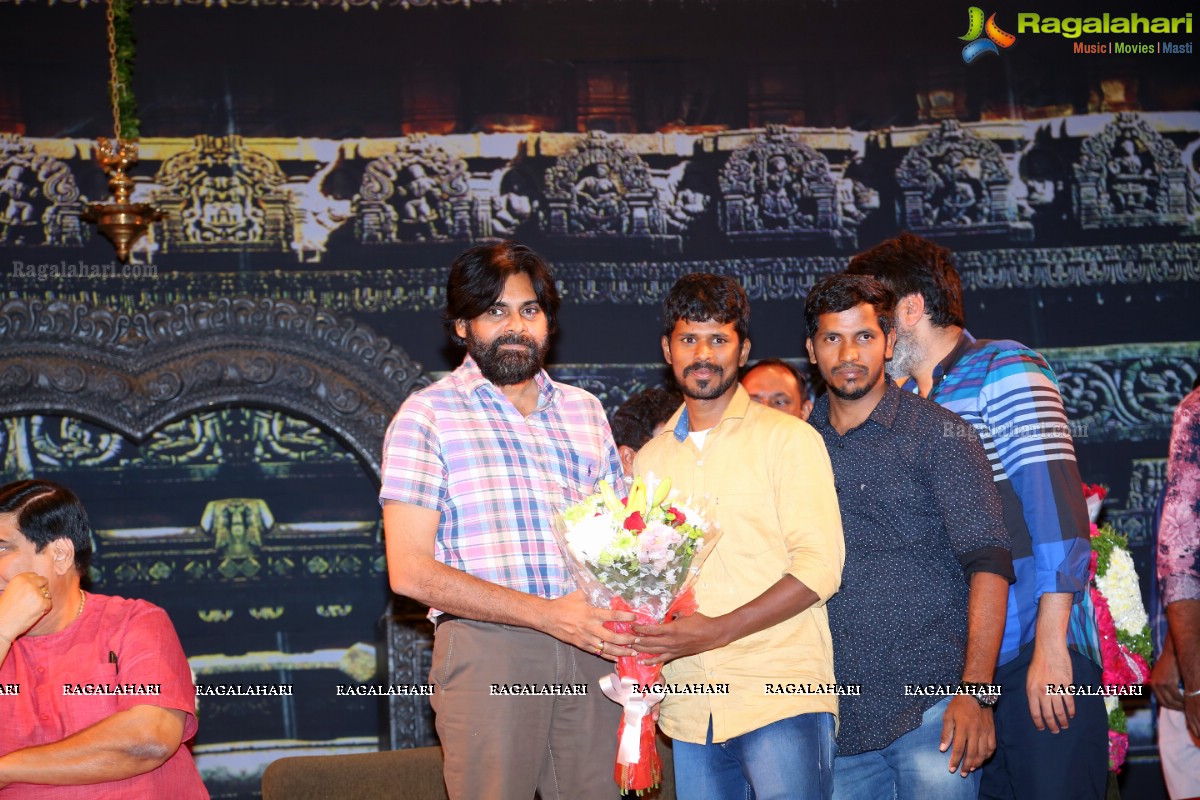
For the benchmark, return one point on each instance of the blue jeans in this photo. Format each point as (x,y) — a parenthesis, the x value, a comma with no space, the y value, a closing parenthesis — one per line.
(910,768)
(775,762)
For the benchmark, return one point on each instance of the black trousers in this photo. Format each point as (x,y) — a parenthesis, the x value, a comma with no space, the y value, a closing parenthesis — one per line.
(1039,765)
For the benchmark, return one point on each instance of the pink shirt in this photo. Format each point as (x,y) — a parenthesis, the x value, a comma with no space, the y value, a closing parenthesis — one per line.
(1179,530)
(148,656)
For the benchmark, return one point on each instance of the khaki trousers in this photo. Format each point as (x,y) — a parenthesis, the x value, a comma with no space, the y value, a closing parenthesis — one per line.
(510,746)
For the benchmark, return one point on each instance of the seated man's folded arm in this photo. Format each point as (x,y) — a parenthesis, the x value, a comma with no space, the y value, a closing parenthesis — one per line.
(130,742)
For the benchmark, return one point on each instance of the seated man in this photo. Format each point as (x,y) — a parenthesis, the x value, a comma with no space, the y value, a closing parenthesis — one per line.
(98,695)
(640,418)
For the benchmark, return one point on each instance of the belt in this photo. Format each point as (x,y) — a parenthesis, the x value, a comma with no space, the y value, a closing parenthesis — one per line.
(444,617)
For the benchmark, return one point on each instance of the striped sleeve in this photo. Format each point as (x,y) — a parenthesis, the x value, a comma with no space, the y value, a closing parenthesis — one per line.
(1024,413)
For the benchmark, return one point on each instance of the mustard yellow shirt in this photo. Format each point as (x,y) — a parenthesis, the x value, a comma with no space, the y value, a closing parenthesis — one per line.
(770,487)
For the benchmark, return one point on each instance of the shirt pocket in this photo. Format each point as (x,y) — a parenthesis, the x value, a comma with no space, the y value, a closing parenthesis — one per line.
(81,709)
(584,470)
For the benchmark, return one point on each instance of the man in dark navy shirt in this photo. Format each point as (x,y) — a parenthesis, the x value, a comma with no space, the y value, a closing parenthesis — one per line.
(920,615)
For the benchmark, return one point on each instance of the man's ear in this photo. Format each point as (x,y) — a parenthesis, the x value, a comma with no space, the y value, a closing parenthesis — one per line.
(666,345)
(889,342)
(910,309)
(812,357)
(745,356)
(627,455)
(63,553)
(460,328)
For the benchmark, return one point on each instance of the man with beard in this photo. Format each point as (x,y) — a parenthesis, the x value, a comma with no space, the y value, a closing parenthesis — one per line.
(927,565)
(475,466)
(762,632)
(1052,746)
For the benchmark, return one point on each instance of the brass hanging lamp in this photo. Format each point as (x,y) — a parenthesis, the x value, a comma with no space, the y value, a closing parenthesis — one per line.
(122,222)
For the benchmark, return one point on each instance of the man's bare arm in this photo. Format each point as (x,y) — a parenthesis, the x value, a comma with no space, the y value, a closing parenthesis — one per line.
(410,532)
(1183,617)
(969,727)
(130,742)
(1050,664)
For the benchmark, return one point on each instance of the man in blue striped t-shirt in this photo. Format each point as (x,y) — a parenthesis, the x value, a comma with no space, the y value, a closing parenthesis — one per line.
(1048,745)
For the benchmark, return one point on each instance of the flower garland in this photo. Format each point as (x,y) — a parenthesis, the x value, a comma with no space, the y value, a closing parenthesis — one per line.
(1125,647)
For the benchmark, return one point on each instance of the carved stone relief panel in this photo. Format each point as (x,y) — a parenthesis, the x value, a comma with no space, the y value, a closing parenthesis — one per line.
(601,188)
(137,372)
(40,203)
(1130,175)
(222,195)
(955,183)
(419,193)
(778,187)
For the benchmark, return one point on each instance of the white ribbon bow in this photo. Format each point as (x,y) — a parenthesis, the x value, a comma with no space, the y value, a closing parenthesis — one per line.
(637,705)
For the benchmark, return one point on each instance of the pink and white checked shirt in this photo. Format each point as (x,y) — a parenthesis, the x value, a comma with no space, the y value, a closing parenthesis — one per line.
(461,448)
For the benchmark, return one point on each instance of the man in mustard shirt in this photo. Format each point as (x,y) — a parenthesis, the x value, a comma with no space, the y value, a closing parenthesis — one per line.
(759,649)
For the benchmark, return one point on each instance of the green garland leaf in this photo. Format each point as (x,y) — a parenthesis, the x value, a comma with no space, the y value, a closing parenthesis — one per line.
(1139,643)
(1103,544)
(126,46)
(1117,720)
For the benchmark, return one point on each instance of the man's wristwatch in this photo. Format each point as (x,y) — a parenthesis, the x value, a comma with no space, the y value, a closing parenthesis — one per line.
(982,692)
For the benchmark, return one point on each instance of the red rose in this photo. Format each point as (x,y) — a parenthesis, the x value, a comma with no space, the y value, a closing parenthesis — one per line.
(635,523)
(679,517)
(1095,490)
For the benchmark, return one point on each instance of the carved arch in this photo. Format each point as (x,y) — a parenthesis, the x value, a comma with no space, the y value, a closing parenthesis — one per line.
(134,373)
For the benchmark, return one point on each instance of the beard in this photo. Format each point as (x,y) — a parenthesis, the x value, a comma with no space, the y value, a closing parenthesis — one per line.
(711,388)
(861,391)
(508,367)
(906,355)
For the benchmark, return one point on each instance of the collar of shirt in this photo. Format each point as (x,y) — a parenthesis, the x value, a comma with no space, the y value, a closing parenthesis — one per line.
(943,367)
(883,414)
(735,410)
(472,382)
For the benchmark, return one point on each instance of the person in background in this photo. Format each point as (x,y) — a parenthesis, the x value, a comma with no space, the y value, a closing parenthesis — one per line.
(106,698)
(1176,675)
(1048,746)
(640,418)
(778,384)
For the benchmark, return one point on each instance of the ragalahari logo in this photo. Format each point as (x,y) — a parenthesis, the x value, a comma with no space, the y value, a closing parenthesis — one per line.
(976,27)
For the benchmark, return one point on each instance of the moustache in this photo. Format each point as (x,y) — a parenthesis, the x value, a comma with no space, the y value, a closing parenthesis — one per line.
(698,365)
(845,365)
(513,338)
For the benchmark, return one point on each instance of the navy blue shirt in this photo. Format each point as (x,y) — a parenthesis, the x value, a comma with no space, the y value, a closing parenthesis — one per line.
(921,514)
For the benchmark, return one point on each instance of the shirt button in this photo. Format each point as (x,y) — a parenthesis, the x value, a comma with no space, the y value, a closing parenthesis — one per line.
(41,669)
(700,463)
(45,716)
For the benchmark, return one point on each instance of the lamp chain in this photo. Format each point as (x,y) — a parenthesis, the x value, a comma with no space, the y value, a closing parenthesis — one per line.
(112,68)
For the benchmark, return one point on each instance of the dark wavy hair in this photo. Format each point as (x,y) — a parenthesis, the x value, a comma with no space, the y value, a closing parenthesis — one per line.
(702,296)
(908,265)
(634,422)
(477,279)
(46,512)
(842,292)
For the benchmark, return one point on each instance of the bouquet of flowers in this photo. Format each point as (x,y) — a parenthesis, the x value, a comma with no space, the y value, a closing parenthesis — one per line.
(1124,627)
(640,553)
